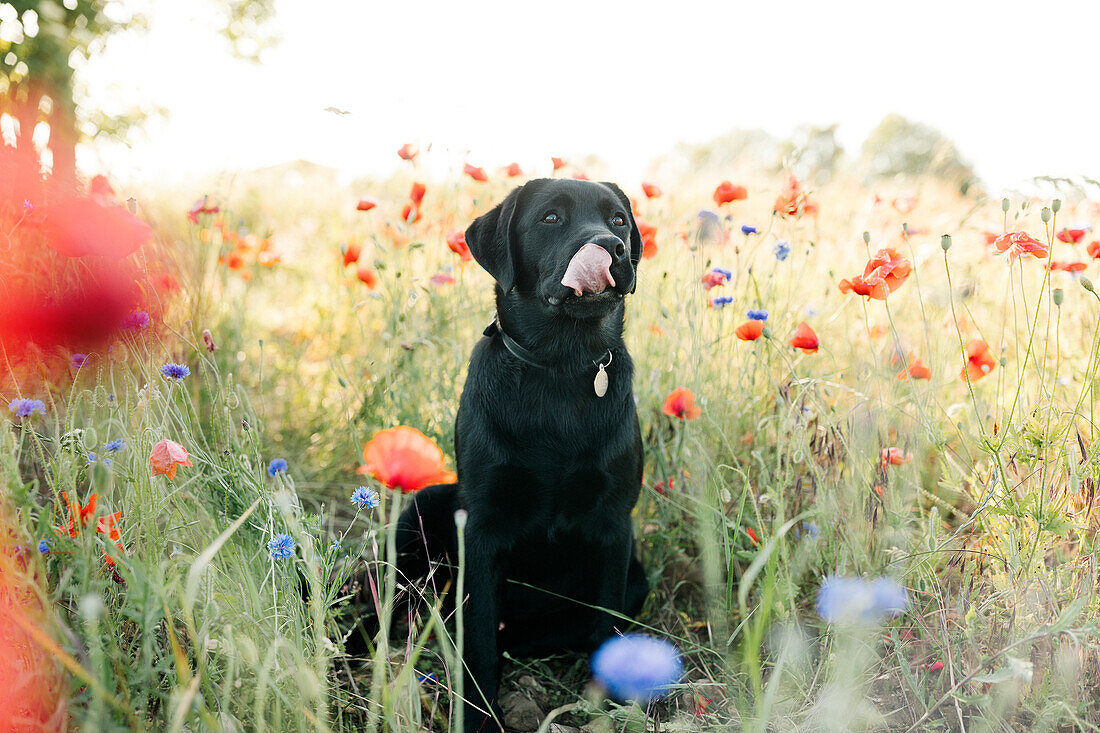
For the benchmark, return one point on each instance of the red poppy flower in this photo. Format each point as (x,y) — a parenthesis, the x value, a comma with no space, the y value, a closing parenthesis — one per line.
(1019,243)
(82,226)
(805,338)
(1069,266)
(895,457)
(713,279)
(416,193)
(1071,236)
(579,176)
(200,207)
(351,254)
(793,201)
(935,666)
(915,370)
(680,403)
(410,213)
(478,174)
(108,525)
(648,233)
(884,273)
(166,456)
(727,192)
(367,277)
(78,515)
(990,237)
(366,203)
(513,170)
(979,362)
(406,459)
(457,242)
(752,535)
(408,151)
(749,330)
(441,279)
(905,203)
(559,163)
(1094,249)
(651,190)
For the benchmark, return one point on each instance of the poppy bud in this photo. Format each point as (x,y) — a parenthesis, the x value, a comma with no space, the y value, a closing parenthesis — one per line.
(1003,361)
(1057,296)
(1004,205)
(945,242)
(208,339)
(1055,205)
(1086,284)
(866,237)
(1045,215)
(460,519)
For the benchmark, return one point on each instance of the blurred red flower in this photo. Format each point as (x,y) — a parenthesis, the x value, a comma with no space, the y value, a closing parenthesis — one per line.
(895,457)
(408,152)
(1069,266)
(648,233)
(915,370)
(651,190)
(680,403)
(793,201)
(1094,249)
(456,240)
(410,213)
(727,192)
(1072,236)
(713,279)
(559,163)
(579,176)
(351,254)
(80,226)
(979,362)
(406,459)
(1017,244)
(805,338)
(749,330)
(366,203)
(478,174)
(513,170)
(367,277)
(416,193)
(884,273)
(166,456)
(441,279)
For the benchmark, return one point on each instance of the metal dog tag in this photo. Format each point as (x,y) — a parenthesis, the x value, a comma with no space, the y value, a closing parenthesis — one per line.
(599,384)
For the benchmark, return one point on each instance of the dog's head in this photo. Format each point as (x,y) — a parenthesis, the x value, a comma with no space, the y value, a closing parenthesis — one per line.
(573,246)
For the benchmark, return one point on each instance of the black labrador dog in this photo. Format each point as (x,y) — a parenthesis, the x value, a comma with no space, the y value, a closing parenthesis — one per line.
(549,453)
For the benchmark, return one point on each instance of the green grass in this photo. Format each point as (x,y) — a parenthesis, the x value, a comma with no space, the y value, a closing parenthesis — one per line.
(990,526)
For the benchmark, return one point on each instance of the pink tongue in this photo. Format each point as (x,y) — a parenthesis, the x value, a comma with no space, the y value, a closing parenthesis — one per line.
(589,271)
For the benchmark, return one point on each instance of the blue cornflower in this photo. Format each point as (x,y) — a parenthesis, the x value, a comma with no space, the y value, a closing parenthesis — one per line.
(77,360)
(757,315)
(92,458)
(281,546)
(175,371)
(747,230)
(810,528)
(782,250)
(706,216)
(115,445)
(721,271)
(25,407)
(136,321)
(364,497)
(279,464)
(855,600)
(636,667)
(336,544)
(721,301)
(43,546)
(426,679)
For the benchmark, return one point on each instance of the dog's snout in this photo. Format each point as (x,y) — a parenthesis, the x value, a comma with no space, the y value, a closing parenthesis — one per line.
(614,246)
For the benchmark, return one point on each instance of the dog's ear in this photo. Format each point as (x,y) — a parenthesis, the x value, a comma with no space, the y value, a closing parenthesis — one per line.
(490,240)
(635,235)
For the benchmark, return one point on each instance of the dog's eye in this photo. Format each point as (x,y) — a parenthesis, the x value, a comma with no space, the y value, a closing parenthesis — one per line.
(618,220)
(551,217)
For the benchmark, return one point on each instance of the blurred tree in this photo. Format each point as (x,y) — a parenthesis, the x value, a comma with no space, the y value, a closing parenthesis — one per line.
(900,146)
(44,43)
(737,148)
(812,152)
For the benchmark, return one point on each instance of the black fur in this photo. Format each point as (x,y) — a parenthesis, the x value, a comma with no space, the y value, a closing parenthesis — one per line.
(548,471)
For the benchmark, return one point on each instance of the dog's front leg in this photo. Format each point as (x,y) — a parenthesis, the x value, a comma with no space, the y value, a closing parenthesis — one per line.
(479,634)
(609,575)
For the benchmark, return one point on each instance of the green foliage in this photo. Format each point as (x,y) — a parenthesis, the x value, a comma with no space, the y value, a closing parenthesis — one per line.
(902,147)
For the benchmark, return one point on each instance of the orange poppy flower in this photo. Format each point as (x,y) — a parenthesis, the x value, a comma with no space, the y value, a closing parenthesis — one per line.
(979,362)
(366,203)
(648,233)
(351,254)
(884,273)
(579,176)
(166,456)
(990,237)
(408,152)
(457,242)
(513,170)
(559,163)
(793,201)
(78,515)
(416,193)
(713,279)
(108,525)
(651,190)
(367,277)
(915,370)
(1071,236)
(1070,267)
(478,174)
(749,330)
(406,459)
(805,338)
(1017,244)
(895,457)
(410,213)
(727,192)
(680,403)
(1094,250)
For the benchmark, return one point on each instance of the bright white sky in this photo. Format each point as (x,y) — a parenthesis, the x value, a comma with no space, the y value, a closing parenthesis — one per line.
(1013,83)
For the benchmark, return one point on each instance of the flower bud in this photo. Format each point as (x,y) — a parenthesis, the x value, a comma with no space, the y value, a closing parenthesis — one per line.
(208,339)
(1045,215)
(1086,284)
(945,242)
(460,519)
(866,237)
(1057,296)
(1004,205)
(1055,205)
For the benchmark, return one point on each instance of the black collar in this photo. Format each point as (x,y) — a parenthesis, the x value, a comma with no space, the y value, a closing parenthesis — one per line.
(526,355)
